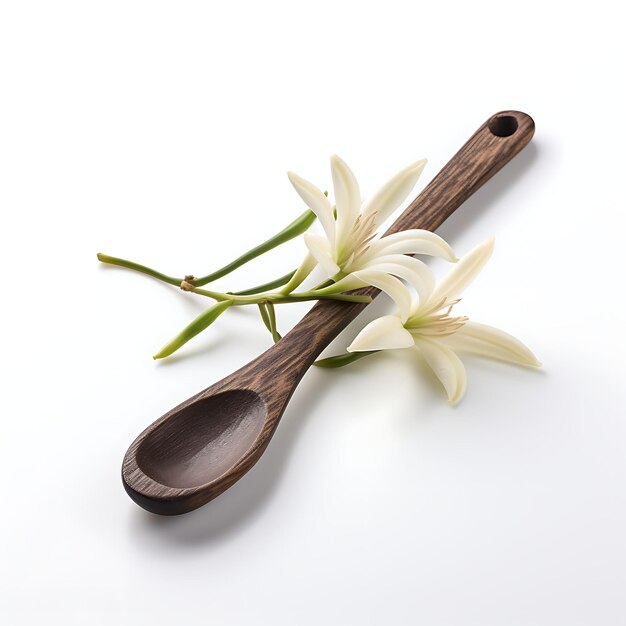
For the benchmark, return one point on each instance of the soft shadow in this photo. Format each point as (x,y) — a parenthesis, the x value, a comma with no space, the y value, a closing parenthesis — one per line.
(246,501)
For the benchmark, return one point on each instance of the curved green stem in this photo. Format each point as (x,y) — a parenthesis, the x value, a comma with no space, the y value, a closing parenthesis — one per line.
(131,265)
(264,316)
(201,322)
(276,336)
(297,227)
(274,298)
(268,315)
(342,297)
(273,284)
(343,359)
(265,303)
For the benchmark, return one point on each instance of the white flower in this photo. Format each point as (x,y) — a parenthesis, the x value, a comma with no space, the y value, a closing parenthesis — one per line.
(428,324)
(348,249)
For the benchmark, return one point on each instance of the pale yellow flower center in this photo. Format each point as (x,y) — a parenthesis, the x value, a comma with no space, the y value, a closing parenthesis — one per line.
(357,242)
(435,319)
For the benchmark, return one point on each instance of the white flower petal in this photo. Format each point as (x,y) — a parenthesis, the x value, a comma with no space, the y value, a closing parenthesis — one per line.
(317,202)
(414,271)
(347,283)
(413,241)
(446,365)
(391,286)
(486,341)
(464,272)
(384,333)
(391,195)
(347,198)
(321,251)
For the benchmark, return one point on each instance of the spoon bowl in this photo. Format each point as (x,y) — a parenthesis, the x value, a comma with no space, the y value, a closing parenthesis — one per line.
(203,446)
(202,441)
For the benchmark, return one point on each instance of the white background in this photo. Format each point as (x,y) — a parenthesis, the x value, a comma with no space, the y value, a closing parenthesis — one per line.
(162,132)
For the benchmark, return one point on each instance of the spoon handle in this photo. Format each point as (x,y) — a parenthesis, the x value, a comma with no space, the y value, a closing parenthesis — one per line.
(487,151)
(491,147)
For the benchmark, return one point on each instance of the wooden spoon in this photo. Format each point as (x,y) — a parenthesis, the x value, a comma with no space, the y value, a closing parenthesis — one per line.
(204,445)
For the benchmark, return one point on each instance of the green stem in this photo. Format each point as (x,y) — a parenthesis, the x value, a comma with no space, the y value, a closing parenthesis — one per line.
(297,227)
(272,319)
(264,316)
(273,284)
(201,322)
(265,302)
(220,297)
(274,298)
(342,297)
(131,265)
(343,359)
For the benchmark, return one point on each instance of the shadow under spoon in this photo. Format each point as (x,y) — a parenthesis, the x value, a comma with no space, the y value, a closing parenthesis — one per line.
(200,448)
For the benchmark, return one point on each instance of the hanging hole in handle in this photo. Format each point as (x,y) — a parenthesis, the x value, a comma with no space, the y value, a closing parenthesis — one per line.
(503,125)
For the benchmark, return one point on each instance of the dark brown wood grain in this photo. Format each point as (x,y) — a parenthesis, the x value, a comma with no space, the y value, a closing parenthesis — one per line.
(200,448)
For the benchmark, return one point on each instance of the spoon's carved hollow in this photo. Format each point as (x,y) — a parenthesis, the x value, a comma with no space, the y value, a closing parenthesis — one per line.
(199,444)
